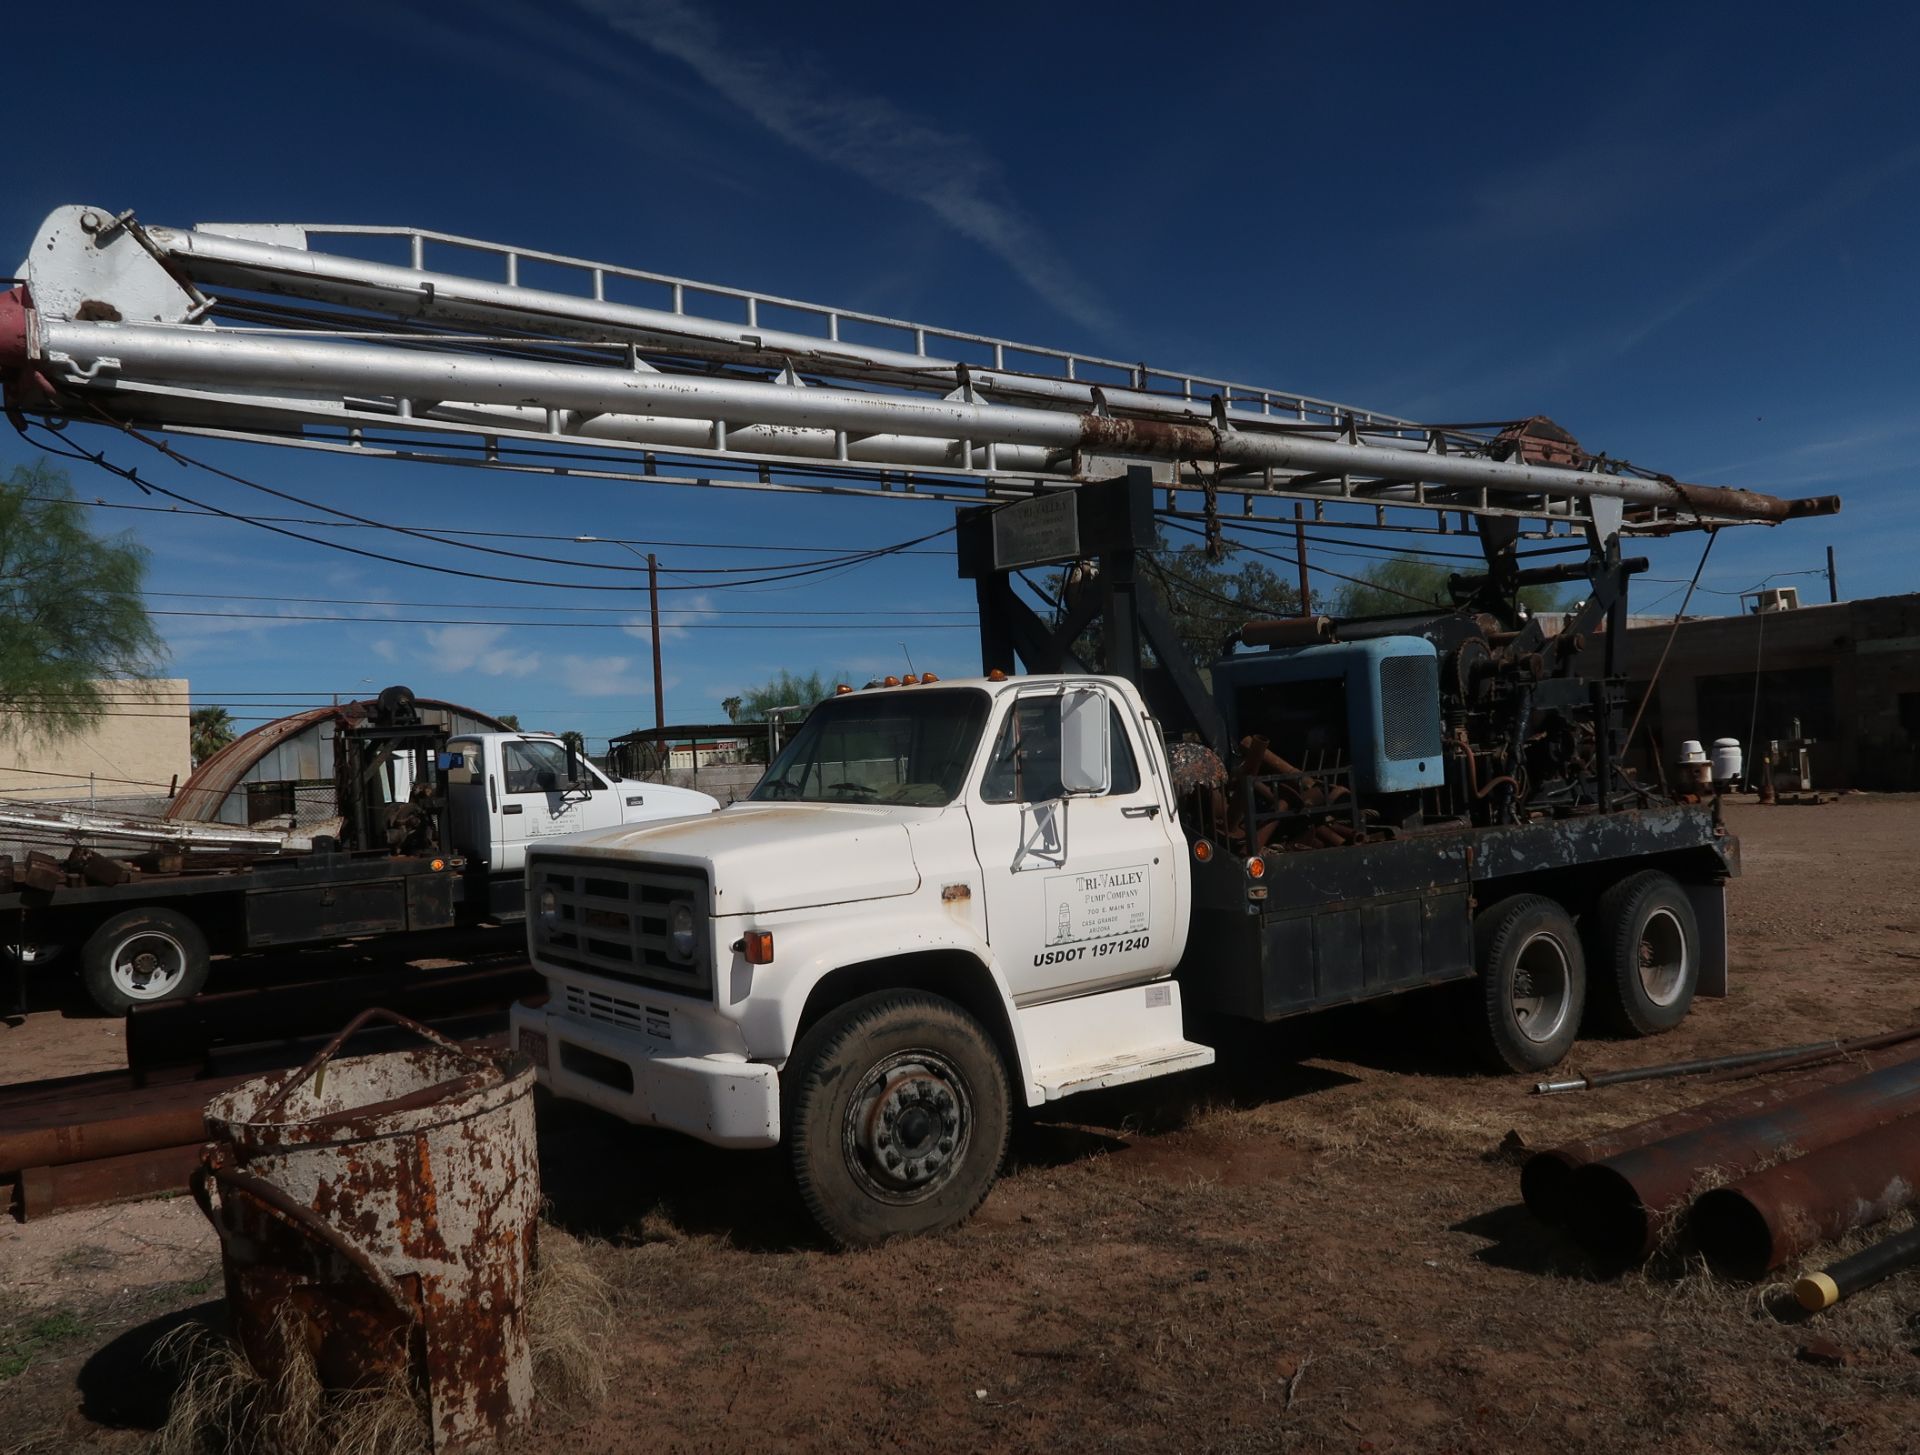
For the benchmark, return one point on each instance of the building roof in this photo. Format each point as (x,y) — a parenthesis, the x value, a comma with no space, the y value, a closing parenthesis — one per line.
(207,787)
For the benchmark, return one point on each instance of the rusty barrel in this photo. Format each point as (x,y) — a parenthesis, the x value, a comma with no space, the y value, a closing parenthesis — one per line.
(1621,1206)
(1543,1180)
(1752,1226)
(380,1211)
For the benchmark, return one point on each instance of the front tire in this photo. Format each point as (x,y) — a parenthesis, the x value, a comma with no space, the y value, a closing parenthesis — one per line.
(896,1117)
(1533,983)
(1643,943)
(142,956)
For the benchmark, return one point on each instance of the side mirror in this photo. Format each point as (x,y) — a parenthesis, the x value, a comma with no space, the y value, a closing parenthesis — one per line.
(573,763)
(1086,757)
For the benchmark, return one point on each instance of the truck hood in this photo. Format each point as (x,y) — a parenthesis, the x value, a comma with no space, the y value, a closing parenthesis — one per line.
(765,857)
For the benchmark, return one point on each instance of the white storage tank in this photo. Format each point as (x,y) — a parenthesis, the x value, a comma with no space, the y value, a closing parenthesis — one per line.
(1726,760)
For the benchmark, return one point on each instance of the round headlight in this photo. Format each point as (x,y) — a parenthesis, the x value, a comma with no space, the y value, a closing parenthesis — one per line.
(549,905)
(680,931)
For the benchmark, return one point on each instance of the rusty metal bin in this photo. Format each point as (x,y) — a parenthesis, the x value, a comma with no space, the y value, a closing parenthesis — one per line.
(380,1210)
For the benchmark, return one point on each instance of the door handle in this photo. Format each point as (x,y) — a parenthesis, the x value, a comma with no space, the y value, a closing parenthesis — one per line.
(514,808)
(1141,810)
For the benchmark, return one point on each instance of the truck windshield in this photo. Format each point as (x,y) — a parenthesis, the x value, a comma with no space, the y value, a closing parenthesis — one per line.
(901,748)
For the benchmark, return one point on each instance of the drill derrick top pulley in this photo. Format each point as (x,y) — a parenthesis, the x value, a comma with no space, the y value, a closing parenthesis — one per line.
(248,331)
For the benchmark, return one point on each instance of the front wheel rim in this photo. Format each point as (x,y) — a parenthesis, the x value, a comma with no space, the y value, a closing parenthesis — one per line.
(908,1126)
(148,966)
(1661,958)
(1542,987)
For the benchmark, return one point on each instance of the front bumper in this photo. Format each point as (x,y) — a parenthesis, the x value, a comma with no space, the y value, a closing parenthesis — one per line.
(726,1100)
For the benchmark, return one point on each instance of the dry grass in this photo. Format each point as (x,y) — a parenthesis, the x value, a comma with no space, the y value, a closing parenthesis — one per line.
(570,1321)
(225,1404)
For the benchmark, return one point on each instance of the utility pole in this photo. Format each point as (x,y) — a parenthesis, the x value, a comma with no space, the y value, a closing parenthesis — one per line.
(653,599)
(1300,553)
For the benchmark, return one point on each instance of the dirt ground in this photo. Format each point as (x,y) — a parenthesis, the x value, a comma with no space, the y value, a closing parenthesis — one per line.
(1318,1246)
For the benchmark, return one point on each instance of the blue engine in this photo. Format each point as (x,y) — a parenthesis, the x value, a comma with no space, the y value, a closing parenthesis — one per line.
(1372,706)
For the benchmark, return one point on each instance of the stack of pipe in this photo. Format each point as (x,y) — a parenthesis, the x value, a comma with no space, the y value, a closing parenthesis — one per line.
(1792,1165)
(1279,783)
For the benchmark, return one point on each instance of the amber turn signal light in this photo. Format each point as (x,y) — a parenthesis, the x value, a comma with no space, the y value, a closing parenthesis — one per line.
(757,946)
(1202,850)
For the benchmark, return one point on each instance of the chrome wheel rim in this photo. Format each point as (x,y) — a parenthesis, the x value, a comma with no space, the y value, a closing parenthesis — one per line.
(1661,957)
(1542,987)
(149,965)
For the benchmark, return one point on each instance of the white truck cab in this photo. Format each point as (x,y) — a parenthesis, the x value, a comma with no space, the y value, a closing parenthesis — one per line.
(508,791)
(940,897)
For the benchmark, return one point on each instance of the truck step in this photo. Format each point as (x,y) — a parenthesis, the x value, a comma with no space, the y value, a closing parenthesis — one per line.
(1138,1065)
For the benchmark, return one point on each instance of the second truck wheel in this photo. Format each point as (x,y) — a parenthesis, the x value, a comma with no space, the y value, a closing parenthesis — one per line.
(1643,943)
(896,1117)
(143,955)
(1533,982)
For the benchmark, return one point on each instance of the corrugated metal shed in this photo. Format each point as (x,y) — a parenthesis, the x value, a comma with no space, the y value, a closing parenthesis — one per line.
(293,749)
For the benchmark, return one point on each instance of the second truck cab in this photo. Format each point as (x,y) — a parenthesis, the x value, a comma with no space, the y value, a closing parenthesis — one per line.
(509,791)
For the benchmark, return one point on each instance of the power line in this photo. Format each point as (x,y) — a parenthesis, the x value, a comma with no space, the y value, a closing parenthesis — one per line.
(450,531)
(132,476)
(529,606)
(685,626)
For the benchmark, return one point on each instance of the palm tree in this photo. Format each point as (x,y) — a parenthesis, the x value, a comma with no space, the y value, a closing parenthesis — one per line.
(575,740)
(211,729)
(732,706)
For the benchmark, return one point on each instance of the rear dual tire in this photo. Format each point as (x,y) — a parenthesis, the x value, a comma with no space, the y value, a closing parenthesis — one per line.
(1532,988)
(1643,944)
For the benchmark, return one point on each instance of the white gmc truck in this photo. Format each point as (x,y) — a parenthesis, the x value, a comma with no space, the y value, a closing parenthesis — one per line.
(939,898)
(946,898)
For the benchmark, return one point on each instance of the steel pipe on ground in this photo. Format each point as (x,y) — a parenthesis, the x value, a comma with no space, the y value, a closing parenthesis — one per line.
(1752,1226)
(1543,1180)
(1863,1269)
(1620,1208)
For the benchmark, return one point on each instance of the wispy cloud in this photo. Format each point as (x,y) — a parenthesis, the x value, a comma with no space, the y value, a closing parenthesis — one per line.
(614,676)
(479,649)
(867,135)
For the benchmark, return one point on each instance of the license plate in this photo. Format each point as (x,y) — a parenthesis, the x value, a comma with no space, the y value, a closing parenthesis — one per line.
(533,1045)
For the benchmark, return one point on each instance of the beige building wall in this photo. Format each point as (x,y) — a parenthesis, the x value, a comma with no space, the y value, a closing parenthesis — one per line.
(135,749)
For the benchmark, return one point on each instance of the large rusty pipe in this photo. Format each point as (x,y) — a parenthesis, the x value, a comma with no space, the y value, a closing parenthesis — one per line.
(1543,1180)
(1752,1226)
(1619,1208)
(84,1141)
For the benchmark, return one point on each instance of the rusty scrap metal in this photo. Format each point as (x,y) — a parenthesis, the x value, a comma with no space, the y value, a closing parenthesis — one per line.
(1287,631)
(390,1201)
(1752,1226)
(1621,1207)
(1836,1281)
(1195,766)
(125,1178)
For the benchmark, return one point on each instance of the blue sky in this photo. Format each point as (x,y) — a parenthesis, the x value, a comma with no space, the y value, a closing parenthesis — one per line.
(1686,233)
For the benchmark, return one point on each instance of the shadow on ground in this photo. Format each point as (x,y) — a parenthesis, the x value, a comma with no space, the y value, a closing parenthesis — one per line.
(128,1382)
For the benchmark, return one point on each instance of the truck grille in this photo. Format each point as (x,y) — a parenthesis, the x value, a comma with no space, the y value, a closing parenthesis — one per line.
(611,919)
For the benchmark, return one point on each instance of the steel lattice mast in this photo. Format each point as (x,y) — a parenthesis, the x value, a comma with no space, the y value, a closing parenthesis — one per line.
(248,332)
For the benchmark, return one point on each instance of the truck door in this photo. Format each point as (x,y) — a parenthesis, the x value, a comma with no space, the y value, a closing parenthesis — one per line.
(1081,891)
(537,801)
